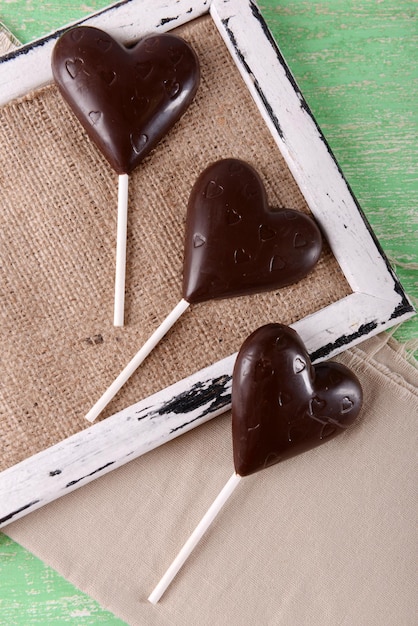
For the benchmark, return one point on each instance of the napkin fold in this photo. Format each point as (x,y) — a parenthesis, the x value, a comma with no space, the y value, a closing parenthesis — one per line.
(327,538)
(8,41)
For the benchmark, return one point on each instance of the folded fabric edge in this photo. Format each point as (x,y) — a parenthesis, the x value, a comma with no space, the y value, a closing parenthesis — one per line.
(8,41)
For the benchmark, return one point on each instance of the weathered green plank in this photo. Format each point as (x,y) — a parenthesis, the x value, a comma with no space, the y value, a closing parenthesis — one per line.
(30,19)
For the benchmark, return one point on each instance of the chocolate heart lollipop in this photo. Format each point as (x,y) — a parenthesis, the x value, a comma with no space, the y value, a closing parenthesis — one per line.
(281,406)
(234,245)
(127,99)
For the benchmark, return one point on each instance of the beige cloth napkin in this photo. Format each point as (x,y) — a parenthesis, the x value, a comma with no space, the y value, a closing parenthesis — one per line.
(326,538)
(8,41)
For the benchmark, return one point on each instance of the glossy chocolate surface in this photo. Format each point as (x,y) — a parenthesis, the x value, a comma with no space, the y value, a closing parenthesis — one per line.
(235,244)
(282,405)
(126,98)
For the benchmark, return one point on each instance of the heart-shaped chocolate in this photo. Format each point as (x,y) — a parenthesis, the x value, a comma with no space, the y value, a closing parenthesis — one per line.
(282,405)
(234,244)
(126,98)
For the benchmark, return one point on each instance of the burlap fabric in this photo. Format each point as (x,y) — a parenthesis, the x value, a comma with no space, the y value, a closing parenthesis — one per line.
(58,202)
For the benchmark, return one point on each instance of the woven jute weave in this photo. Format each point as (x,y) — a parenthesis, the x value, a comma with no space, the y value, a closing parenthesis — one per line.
(59,349)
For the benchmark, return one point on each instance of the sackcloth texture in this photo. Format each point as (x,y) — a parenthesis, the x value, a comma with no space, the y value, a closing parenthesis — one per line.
(325,538)
(60,350)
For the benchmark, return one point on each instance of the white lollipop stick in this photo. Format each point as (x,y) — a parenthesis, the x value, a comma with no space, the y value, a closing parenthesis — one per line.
(140,356)
(194,538)
(122,226)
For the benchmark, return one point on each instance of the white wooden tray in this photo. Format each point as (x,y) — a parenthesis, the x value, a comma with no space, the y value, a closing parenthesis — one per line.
(377,301)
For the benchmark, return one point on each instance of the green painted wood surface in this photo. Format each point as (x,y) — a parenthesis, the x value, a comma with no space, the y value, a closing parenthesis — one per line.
(356,63)
(34,594)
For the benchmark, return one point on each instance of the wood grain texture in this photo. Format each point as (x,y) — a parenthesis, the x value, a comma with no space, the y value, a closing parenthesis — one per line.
(30,19)
(355,61)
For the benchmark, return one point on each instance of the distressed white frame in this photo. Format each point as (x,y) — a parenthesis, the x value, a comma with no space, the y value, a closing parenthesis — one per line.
(377,302)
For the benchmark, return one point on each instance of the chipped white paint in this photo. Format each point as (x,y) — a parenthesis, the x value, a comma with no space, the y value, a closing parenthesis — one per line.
(77,460)
(29,67)
(377,302)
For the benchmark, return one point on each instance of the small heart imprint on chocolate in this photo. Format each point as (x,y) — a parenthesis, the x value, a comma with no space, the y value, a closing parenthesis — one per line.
(143,70)
(76,34)
(175,55)
(240,256)
(74,67)
(277,263)
(152,44)
(281,342)
(198,240)
(213,190)
(283,398)
(299,365)
(263,369)
(138,142)
(108,77)
(96,73)
(298,412)
(346,405)
(315,405)
(95,116)
(232,217)
(235,166)
(299,241)
(104,44)
(252,247)
(136,107)
(251,190)
(266,232)
(172,87)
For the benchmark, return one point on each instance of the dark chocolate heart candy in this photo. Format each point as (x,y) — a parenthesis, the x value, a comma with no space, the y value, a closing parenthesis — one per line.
(235,245)
(282,405)
(126,98)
